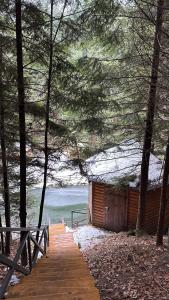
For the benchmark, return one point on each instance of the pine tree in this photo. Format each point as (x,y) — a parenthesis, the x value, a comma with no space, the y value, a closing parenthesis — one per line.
(150,116)
(163,199)
(4,160)
(22,126)
(49,82)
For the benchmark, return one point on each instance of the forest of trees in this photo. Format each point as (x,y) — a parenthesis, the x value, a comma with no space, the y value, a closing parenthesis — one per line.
(72,73)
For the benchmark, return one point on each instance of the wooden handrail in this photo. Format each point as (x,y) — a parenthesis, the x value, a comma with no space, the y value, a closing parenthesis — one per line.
(25,241)
(76,222)
(19,229)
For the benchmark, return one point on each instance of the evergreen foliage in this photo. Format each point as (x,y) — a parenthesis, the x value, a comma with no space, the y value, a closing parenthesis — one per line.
(101,68)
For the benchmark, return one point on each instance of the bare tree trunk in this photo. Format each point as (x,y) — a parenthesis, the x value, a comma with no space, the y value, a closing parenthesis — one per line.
(150,117)
(47,119)
(22,129)
(163,199)
(4,164)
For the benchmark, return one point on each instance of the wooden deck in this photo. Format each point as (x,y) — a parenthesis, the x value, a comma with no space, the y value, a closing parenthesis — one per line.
(62,275)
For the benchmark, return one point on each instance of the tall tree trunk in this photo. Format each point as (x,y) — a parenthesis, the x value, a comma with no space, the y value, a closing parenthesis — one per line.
(163,199)
(22,130)
(47,118)
(4,164)
(150,117)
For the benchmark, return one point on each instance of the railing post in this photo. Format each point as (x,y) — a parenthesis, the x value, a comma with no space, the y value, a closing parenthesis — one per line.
(72,218)
(37,247)
(48,235)
(24,254)
(7,278)
(45,240)
(89,216)
(25,243)
(2,243)
(2,238)
(29,254)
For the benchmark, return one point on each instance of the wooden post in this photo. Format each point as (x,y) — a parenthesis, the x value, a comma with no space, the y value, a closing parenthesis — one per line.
(72,218)
(29,253)
(2,238)
(45,240)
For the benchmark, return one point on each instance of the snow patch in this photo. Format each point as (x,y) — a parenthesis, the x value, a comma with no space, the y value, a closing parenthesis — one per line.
(40,255)
(68,229)
(87,236)
(14,280)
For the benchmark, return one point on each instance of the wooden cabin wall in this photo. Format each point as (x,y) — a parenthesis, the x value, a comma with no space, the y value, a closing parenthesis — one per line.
(115,200)
(97,203)
(133,197)
(167,213)
(151,210)
(98,206)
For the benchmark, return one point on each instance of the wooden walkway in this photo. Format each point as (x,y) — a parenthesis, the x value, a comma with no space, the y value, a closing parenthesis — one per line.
(62,275)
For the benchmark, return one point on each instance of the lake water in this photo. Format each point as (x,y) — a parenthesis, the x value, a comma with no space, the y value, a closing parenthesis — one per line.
(59,202)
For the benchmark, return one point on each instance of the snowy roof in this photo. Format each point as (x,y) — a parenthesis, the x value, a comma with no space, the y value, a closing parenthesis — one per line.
(122,161)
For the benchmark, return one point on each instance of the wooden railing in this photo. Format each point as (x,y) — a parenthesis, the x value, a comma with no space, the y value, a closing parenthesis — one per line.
(76,222)
(27,243)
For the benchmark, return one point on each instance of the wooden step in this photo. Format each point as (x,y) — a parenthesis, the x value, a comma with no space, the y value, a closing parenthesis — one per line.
(46,290)
(55,277)
(62,263)
(51,272)
(70,253)
(60,269)
(70,282)
(60,257)
(59,246)
(57,258)
(54,265)
(64,296)
(58,274)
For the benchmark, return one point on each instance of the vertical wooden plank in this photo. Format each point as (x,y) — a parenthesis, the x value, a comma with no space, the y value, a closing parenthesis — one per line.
(2,238)
(132,208)
(98,204)
(90,199)
(29,254)
(115,202)
(127,206)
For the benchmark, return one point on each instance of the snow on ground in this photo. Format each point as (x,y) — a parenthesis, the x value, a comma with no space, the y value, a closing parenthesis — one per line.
(88,236)
(68,229)
(14,280)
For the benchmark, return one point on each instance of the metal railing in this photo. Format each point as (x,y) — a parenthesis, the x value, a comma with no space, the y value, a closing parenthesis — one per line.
(27,243)
(76,222)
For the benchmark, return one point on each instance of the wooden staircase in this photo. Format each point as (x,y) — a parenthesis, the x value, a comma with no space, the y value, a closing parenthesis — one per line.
(61,275)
